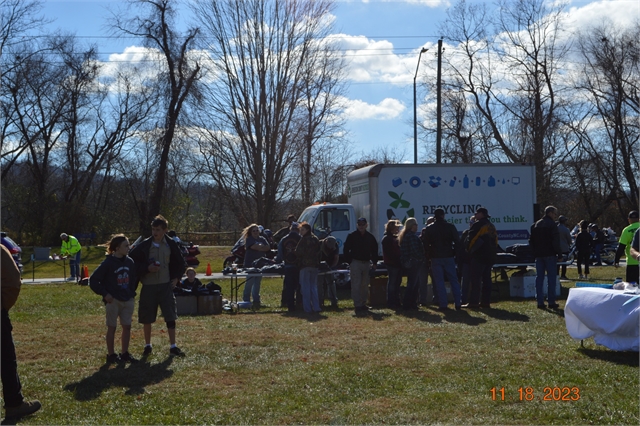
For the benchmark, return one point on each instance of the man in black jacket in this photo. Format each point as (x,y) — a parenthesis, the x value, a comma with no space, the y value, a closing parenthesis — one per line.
(159,265)
(361,251)
(442,243)
(481,244)
(545,244)
(287,254)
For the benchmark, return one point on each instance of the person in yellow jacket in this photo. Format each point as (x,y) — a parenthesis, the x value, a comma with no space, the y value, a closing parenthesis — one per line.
(71,247)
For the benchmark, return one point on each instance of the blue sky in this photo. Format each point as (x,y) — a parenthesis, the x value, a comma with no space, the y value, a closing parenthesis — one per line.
(383,38)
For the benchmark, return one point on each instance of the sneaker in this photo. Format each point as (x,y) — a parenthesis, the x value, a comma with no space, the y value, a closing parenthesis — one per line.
(112,358)
(581,277)
(554,306)
(126,357)
(543,306)
(147,350)
(175,351)
(23,409)
(71,279)
(564,278)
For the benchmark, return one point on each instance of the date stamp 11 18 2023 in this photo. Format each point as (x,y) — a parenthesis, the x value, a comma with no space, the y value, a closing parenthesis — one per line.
(549,393)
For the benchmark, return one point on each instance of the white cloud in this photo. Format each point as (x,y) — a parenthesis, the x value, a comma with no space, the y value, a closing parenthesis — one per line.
(621,12)
(375,61)
(387,109)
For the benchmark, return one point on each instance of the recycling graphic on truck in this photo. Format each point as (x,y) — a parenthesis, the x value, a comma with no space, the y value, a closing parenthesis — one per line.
(399,191)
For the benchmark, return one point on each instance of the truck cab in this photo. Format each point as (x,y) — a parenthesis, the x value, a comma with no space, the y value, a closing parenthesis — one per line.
(327,219)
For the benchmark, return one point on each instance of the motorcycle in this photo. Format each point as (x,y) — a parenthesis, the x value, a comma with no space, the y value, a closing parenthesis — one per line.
(607,254)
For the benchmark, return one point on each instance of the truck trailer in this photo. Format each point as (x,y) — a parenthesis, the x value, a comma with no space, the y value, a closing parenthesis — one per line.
(398,191)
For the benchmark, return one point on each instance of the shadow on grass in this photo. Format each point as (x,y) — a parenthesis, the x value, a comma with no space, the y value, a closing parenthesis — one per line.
(623,358)
(374,314)
(136,377)
(503,314)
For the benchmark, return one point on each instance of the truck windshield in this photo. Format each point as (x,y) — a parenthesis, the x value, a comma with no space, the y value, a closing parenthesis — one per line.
(331,220)
(306,216)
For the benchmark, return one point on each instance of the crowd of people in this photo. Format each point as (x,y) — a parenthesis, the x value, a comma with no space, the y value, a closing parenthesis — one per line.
(437,251)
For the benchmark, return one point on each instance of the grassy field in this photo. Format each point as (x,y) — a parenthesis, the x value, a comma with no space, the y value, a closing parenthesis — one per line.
(268,367)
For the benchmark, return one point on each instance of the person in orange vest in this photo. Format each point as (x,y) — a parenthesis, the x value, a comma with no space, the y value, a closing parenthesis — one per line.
(71,247)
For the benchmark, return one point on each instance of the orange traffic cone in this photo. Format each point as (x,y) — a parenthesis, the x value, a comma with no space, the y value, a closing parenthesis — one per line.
(208,270)
(82,275)
(85,271)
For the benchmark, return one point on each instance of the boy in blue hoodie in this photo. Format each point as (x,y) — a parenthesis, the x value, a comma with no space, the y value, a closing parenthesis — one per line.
(116,282)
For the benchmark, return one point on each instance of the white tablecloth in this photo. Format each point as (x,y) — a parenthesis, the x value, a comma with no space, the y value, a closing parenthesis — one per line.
(598,313)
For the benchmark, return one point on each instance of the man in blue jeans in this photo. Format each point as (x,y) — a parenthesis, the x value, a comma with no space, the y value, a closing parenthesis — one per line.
(442,242)
(545,244)
(71,247)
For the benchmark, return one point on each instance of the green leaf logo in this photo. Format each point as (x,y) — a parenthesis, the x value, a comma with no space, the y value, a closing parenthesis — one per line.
(398,201)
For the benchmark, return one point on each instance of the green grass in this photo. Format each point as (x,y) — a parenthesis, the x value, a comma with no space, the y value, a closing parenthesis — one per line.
(267,367)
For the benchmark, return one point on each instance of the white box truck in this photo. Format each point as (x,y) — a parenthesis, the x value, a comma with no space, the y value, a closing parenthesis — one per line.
(397,191)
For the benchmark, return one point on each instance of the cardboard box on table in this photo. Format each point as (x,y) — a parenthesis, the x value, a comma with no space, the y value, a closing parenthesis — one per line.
(525,286)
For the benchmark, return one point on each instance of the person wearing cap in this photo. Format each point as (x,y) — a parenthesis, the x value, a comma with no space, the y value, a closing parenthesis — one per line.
(287,254)
(565,244)
(284,231)
(584,244)
(482,245)
(361,252)
(598,242)
(330,254)
(442,242)
(544,240)
(623,247)
(71,247)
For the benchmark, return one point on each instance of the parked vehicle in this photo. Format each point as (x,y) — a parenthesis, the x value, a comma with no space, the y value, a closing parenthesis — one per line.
(14,249)
(398,191)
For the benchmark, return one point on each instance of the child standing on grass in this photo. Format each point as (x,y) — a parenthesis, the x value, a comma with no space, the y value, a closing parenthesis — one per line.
(116,282)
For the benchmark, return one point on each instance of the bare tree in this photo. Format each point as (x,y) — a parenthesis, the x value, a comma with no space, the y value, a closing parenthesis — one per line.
(321,92)
(17,19)
(178,78)
(607,133)
(506,65)
(66,126)
(256,118)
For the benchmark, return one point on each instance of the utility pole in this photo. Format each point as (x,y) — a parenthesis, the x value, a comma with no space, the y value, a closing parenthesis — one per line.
(439,106)
(415,114)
